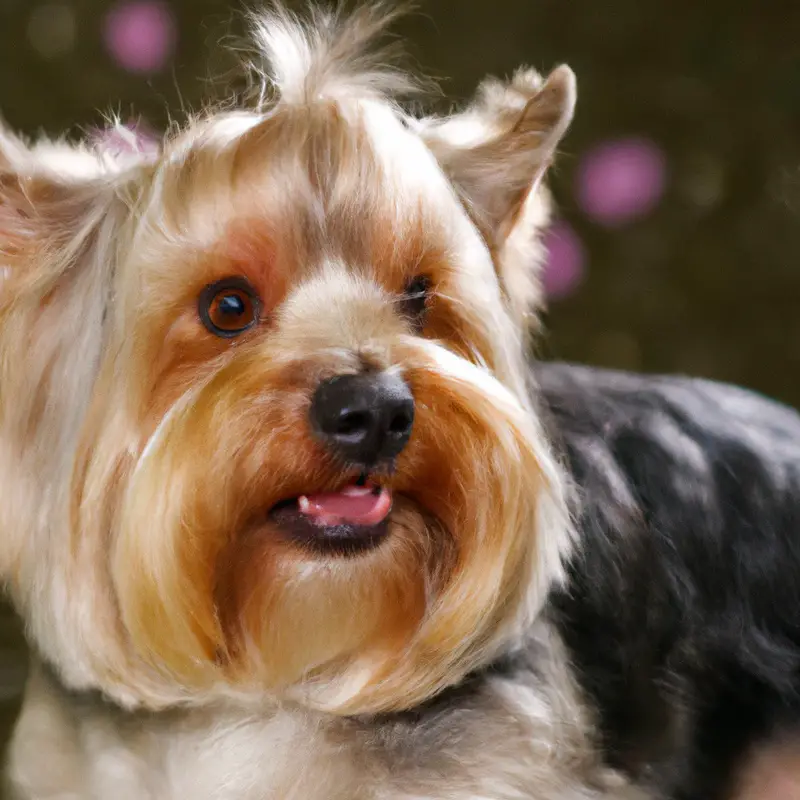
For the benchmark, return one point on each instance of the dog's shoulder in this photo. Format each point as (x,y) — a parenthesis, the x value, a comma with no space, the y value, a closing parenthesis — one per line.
(674,453)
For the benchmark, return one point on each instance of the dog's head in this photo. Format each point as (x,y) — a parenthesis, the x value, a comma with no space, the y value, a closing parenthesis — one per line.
(264,428)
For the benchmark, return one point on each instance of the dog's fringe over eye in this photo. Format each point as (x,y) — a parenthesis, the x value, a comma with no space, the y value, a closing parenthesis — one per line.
(415,300)
(229,307)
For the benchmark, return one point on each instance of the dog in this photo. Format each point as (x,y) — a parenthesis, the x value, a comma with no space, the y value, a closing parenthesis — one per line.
(288,513)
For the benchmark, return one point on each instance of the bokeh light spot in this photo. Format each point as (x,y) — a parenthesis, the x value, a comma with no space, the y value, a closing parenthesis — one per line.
(141,36)
(621,181)
(565,263)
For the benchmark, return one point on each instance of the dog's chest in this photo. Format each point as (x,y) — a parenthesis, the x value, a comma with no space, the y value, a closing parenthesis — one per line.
(504,742)
(91,756)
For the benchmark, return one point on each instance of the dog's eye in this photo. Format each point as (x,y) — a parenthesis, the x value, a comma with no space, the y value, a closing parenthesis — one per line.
(229,307)
(415,299)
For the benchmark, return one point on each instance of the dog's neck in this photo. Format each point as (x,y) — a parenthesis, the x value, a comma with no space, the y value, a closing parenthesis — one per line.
(77,744)
(488,736)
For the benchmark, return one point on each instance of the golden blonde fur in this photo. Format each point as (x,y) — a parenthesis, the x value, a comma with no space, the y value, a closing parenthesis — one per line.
(140,455)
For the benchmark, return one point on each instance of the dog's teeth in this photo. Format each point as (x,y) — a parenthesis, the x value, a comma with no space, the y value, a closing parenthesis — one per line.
(356,491)
(303,504)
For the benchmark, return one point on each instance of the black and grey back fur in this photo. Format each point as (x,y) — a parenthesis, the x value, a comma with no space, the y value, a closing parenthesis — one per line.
(682,614)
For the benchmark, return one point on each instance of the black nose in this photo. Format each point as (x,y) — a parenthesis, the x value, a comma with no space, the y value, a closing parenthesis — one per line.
(364,419)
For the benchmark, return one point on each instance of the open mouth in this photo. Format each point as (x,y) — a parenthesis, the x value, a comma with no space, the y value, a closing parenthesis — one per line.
(349,521)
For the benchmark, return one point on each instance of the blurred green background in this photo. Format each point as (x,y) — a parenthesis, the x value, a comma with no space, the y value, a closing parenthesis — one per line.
(679,184)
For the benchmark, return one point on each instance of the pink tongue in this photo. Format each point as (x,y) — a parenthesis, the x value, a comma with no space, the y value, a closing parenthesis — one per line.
(355,505)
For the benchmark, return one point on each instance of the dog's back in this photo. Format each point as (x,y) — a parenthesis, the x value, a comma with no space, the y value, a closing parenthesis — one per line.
(683,608)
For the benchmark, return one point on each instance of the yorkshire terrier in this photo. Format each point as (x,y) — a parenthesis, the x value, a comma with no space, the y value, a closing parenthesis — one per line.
(288,514)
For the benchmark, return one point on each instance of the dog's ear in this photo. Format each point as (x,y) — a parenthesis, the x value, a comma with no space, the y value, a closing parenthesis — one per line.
(496,153)
(52,196)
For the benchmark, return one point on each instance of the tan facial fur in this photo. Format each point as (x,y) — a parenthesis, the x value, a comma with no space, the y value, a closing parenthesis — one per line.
(140,455)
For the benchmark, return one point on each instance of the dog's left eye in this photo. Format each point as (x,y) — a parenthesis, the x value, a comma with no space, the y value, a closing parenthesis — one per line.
(415,299)
(229,307)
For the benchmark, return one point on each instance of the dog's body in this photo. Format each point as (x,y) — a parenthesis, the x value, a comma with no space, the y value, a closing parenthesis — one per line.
(681,614)
(678,619)
(285,518)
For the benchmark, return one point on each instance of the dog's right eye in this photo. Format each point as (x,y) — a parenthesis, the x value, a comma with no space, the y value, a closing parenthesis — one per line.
(229,307)
(416,297)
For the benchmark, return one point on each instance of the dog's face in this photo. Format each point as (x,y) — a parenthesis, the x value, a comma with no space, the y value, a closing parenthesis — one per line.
(264,419)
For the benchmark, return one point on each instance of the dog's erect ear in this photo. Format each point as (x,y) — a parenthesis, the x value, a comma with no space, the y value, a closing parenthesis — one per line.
(29,198)
(496,153)
(53,191)
(51,196)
